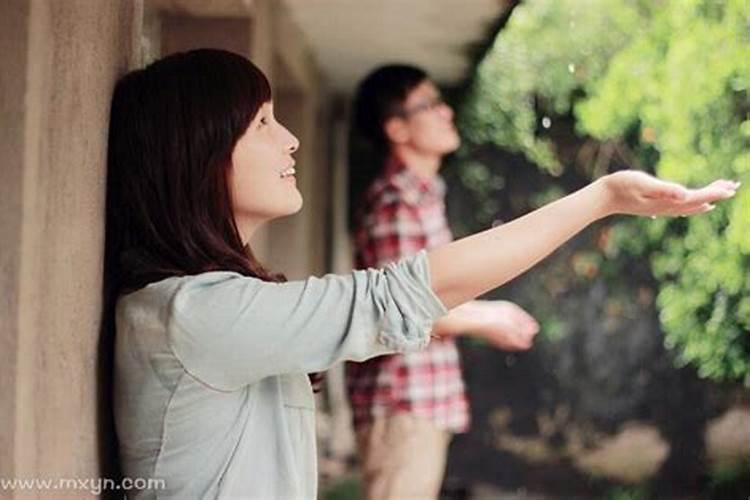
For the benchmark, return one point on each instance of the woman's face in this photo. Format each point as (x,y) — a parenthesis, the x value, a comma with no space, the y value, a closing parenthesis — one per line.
(261,179)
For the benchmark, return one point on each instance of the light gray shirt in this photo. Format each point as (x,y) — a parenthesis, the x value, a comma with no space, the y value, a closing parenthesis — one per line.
(211,387)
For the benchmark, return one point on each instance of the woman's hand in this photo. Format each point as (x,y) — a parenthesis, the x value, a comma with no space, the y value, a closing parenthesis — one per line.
(638,193)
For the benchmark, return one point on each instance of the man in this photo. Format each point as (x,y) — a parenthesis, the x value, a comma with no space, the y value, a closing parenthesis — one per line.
(407,406)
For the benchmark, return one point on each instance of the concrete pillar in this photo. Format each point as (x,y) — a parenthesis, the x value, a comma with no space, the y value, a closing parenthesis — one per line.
(290,237)
(60,61)
(262,37)
(180,33)
(299,242)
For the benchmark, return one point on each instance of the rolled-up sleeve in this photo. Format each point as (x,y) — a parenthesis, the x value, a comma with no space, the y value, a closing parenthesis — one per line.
(230,330)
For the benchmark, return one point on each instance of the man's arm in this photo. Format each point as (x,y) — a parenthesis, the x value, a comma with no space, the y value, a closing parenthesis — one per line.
(503,324)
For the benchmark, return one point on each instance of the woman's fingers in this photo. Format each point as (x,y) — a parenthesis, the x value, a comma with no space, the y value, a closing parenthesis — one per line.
(695,201)
(692,210)
(711,193)
(638,193)
(717,190)
(727,184)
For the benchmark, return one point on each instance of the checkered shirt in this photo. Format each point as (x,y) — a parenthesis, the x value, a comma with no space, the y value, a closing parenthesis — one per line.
(402,215)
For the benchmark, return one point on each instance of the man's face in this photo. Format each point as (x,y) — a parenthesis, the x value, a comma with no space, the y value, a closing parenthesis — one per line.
(425,123)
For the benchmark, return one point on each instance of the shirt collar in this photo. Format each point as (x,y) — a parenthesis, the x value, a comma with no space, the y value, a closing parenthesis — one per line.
(413,184)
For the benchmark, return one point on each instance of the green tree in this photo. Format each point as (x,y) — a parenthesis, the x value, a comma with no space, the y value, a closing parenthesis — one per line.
(665,85)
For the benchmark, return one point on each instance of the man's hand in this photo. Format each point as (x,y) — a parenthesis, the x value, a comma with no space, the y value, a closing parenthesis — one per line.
(505,325)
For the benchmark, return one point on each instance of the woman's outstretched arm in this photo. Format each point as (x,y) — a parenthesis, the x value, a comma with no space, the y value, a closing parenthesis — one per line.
(476,264)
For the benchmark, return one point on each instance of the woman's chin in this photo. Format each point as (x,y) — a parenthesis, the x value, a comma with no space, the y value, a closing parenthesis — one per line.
(298,203)
(294,206)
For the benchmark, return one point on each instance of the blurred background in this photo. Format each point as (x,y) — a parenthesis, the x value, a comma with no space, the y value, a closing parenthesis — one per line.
(639,385)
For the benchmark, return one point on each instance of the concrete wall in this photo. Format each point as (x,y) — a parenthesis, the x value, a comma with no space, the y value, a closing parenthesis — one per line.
(180,33)
(60,59)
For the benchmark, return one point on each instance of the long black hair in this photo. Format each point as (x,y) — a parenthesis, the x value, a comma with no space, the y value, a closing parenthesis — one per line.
(173,127)
(380,96)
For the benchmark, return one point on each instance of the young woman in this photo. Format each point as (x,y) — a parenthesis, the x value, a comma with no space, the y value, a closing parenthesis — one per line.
(212,351)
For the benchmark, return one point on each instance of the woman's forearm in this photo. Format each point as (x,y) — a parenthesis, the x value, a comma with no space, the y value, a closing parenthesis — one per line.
(471,266)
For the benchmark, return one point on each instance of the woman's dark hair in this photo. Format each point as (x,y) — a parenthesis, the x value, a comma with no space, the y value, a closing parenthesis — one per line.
(380,96)
(173,127)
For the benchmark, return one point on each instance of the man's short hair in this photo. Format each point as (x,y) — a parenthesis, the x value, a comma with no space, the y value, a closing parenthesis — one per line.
(381,96)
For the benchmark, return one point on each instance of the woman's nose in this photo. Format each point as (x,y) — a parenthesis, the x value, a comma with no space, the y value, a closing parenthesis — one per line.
(293,144)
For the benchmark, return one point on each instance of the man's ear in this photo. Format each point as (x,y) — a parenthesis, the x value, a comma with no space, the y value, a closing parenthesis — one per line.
(395,130)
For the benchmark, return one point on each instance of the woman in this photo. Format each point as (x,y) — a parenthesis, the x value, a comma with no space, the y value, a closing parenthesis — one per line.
(212,351)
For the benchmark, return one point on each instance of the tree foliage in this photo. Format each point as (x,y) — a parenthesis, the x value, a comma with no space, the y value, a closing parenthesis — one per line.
(666,84)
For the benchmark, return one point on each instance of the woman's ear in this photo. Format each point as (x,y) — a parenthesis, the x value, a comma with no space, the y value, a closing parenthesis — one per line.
(395,130)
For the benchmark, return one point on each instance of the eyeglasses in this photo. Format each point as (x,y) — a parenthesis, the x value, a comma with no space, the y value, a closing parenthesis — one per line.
(430,105)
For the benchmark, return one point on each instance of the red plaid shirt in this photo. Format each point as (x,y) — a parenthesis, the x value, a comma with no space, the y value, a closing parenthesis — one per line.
(404,214)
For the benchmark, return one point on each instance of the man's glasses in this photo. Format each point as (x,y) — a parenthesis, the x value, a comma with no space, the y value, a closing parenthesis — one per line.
(430,105)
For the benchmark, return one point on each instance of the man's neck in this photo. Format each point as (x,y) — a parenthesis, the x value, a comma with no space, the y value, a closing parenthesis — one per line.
(424,165)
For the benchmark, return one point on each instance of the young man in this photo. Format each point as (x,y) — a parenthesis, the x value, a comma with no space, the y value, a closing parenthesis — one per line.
(407,406)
